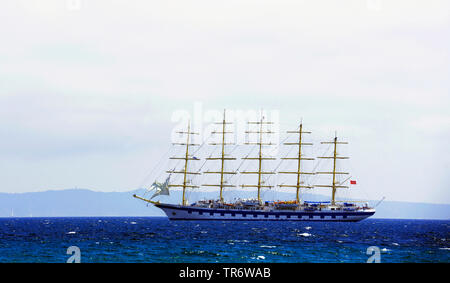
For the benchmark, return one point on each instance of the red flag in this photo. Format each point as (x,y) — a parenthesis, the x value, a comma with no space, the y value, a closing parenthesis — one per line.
(352,182)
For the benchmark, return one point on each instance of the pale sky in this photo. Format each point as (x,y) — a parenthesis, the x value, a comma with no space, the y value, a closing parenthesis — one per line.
(88,88)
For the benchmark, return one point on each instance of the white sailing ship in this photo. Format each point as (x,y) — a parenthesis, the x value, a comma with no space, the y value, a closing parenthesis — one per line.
(257,209)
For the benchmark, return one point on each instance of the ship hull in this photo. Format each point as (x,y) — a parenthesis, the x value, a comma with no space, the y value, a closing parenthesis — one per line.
(179,212)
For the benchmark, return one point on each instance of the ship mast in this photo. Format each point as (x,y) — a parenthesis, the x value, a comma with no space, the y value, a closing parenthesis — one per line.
(298,158)
(260,157)
(334,185)
(186,158)
(222,158)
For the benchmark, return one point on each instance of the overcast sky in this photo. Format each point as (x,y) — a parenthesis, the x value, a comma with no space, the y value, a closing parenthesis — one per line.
(88,88)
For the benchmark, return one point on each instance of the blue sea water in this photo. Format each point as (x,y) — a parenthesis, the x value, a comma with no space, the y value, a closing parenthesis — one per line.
(156,239)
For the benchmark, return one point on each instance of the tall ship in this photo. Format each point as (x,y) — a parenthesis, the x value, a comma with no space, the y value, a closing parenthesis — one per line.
(256,208)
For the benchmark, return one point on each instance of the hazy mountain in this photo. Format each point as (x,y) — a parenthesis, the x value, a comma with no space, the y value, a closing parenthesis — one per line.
(82,202)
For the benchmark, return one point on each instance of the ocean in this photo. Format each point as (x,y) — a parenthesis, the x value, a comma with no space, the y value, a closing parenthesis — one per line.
(156,239)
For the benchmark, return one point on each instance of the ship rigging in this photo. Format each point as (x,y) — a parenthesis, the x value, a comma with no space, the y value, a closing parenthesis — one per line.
(256,208)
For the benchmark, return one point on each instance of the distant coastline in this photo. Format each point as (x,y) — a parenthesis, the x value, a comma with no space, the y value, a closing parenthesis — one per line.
(84,202)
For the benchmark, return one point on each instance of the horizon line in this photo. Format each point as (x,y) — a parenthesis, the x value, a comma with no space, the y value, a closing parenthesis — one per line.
(132,190)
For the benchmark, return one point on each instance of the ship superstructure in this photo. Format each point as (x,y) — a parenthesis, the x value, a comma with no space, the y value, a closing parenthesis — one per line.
(256,208)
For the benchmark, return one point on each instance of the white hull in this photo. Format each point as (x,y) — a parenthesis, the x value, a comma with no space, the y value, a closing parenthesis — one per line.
(178,212)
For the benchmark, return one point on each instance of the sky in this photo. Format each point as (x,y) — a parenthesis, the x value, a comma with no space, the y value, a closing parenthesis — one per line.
(88,89)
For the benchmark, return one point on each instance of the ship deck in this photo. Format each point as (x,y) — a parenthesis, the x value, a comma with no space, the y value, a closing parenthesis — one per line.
(179,212)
